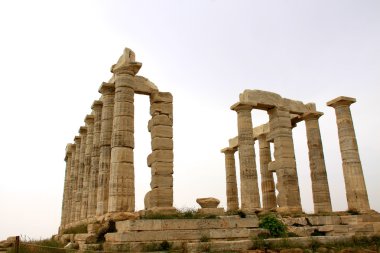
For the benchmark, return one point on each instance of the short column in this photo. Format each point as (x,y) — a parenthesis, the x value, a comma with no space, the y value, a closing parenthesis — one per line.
(108,93)
(66,188)
(231,183)
(356,190)
(319,182)
(268,189)
(93,185)
(89,121)
(78,204)
(284,164)
(249,189)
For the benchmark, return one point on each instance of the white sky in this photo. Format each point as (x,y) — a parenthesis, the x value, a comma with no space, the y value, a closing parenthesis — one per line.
(55,54)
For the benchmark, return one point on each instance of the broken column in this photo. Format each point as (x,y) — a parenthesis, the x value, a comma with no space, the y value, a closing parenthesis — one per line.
(108,93)
(161,159)
(249,189)
(93,183)
(66,191)
(319,182)
(284,164)
(356,190)
(231,183)
(268,189)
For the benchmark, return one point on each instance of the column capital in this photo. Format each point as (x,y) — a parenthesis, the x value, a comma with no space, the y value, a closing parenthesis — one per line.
(311,115)
(126,64)
(229,150)
(239,106)
(96,104)
(82,130)
(339,101)
(107,88)
(89,119)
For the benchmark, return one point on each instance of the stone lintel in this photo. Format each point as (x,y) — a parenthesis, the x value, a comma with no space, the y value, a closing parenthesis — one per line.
(96,103)
(312,115)
(229,150)
(89,118)
(239,106)
(106,88)
(82,130)
(342,100)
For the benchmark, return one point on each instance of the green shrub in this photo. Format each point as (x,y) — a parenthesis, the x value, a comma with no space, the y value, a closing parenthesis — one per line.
(275,227)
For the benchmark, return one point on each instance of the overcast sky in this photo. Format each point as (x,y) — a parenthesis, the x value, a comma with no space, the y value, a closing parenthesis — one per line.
(55,54)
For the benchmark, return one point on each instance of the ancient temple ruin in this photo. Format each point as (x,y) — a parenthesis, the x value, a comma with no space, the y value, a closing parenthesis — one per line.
(99,187)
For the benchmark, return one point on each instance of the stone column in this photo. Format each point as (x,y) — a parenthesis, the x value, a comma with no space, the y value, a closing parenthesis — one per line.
(71,186)
(231,184)
(122,178)
(74,179)
(319,182)
(108,93)
(268,189)
(66,188)
(250,196)
(356,190)
(288,198)
(93,185)
(78,203)
(161,159)
(89,120)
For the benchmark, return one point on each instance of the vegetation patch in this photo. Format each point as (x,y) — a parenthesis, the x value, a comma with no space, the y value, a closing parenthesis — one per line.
(275,226)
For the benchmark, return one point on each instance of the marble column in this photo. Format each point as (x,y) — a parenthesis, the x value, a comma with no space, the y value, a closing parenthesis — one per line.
(122,179)
(268,189)
(93,184)
(319,182)
(74,179)
(78,202)
(66,191)
(249,189)
(89,121)
(284,164)
(71,189)
(356,190)
(231,184)
(108,93)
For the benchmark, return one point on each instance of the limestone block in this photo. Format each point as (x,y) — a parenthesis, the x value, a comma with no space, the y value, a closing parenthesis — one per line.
(219,246)
(211,211)
(121,216)
(160,143)
(301,231)
(351,219)
(122,154)
(368,228)
(166,97)
(324,220)
(124,123)
(160,156)
(161,181)
(123,139)
(297,221)
(160,119)
(208,202)
(87,238)
(162,168)
(162,131)
(161,108)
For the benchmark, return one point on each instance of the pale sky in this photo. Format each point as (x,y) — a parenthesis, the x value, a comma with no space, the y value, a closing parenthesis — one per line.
(55,54)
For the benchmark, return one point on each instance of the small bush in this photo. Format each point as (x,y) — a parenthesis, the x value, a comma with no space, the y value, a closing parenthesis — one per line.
(204,238)
(275,226)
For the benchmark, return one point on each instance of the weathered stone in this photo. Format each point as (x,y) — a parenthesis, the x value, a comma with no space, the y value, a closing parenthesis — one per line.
(160,143)
(160,156)
(231,184)
(211,211)
(208,202)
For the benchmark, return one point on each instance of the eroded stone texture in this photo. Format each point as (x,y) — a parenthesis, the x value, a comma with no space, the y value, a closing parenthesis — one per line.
(267,182)
(208,202)
(250,197)
(288,198)
(231,183)
(108,93)
(73,177)
(78,204)
(319,182)
(66,190)
(93,185)
(356,191)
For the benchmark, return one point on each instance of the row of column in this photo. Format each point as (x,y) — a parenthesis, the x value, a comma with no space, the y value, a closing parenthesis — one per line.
(284,165)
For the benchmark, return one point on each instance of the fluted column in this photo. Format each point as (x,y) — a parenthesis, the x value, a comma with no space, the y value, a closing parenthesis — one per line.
(319,182)
(71,189)
(108,93)
(89,121)
(74,179)
(250,196)
(356,190)
(231,184)
(93,184)
(66,191)
(78,202)
(284,164)
(268,189)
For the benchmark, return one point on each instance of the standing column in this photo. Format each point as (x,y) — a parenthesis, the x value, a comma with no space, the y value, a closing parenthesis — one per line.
(89,120)
(356,190)
(78,203)
(288,198)
(250,196)
(122,178)
(93,185)
(75,168)
(268,189)
(319,182)
(71,194)
(66,191)
(108,93)
(231,184)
